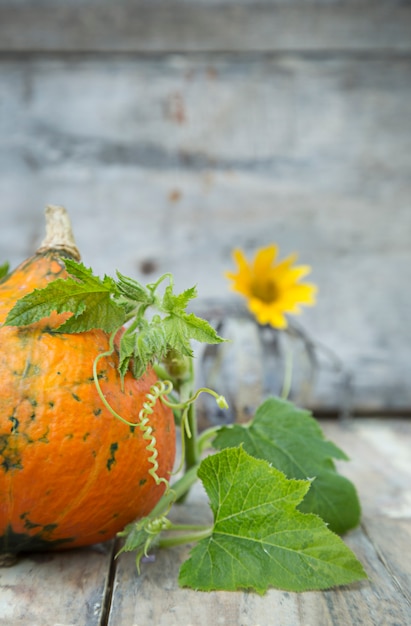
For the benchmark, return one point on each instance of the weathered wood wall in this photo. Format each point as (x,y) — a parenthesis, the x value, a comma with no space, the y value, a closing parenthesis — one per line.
(174,132)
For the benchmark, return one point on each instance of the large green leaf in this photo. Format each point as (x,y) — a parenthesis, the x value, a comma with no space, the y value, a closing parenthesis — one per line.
(259,539)
(293,442)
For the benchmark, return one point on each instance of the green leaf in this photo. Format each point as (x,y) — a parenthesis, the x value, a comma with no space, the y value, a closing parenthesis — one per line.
(109,304)
(181,328)
(126,353)
(259,538)
(135,535)
(86,296)
(133,290)
(4,269)
(142,535)
(291,439)
(150,344)
(177,303)
(177,334)
(199,329)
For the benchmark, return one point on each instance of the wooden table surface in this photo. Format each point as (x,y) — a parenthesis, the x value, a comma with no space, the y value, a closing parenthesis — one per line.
(90,588)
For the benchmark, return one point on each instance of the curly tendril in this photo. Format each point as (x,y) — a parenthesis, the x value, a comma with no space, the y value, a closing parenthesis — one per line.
(158,390)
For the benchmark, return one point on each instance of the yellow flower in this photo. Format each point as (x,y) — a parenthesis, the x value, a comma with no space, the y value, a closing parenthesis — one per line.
(272,288)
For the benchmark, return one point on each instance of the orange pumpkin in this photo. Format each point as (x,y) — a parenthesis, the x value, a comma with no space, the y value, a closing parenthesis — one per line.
(71,474)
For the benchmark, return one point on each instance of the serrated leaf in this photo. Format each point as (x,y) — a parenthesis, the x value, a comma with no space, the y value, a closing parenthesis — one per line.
(150,344)
(126,352)
(86,296)
(178,336)
(292,440)
(139,539)
(177,303)
(133,290)
(200,330)
(109,304)
(182,328)
(135,537)
(259,538)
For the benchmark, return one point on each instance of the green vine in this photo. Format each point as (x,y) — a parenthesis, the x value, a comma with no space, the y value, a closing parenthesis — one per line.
(252,499)
(158,391)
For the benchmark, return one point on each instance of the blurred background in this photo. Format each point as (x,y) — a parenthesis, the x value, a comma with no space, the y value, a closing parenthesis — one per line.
(176,131)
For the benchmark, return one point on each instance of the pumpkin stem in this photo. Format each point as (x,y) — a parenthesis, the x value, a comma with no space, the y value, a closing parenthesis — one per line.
(59,235)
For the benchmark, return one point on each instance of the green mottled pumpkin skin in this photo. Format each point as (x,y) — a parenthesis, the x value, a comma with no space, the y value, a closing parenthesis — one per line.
(71,474)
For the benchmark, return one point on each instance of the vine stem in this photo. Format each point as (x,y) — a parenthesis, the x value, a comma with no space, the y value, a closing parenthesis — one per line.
(155,393)
(190,434)
(199,528)
(153,286)
(288,375)
(103,355)
(169,542)
(206,437)
(177,491)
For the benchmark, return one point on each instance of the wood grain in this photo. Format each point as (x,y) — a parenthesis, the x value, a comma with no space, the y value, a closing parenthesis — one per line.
(154,597)
(56,589)
(389,536)
(71,588)
(380,467)
(174,132)
(204,26)
(168,163)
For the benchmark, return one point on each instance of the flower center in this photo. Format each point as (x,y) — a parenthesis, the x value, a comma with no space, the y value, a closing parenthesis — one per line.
(266,290)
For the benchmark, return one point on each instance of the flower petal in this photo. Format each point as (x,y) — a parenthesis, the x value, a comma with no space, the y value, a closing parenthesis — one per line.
(293,275)
(304,293)
(264,259)
(240,259)
(267,314)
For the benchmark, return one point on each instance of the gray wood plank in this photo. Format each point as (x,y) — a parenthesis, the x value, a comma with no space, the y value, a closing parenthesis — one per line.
(205,26)
(168,163)
(69,588)
(154,596)
(389,536)
(56,589)
(380,467)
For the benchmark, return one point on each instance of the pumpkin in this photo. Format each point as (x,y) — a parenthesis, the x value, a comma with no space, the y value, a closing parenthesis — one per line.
(71,474)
